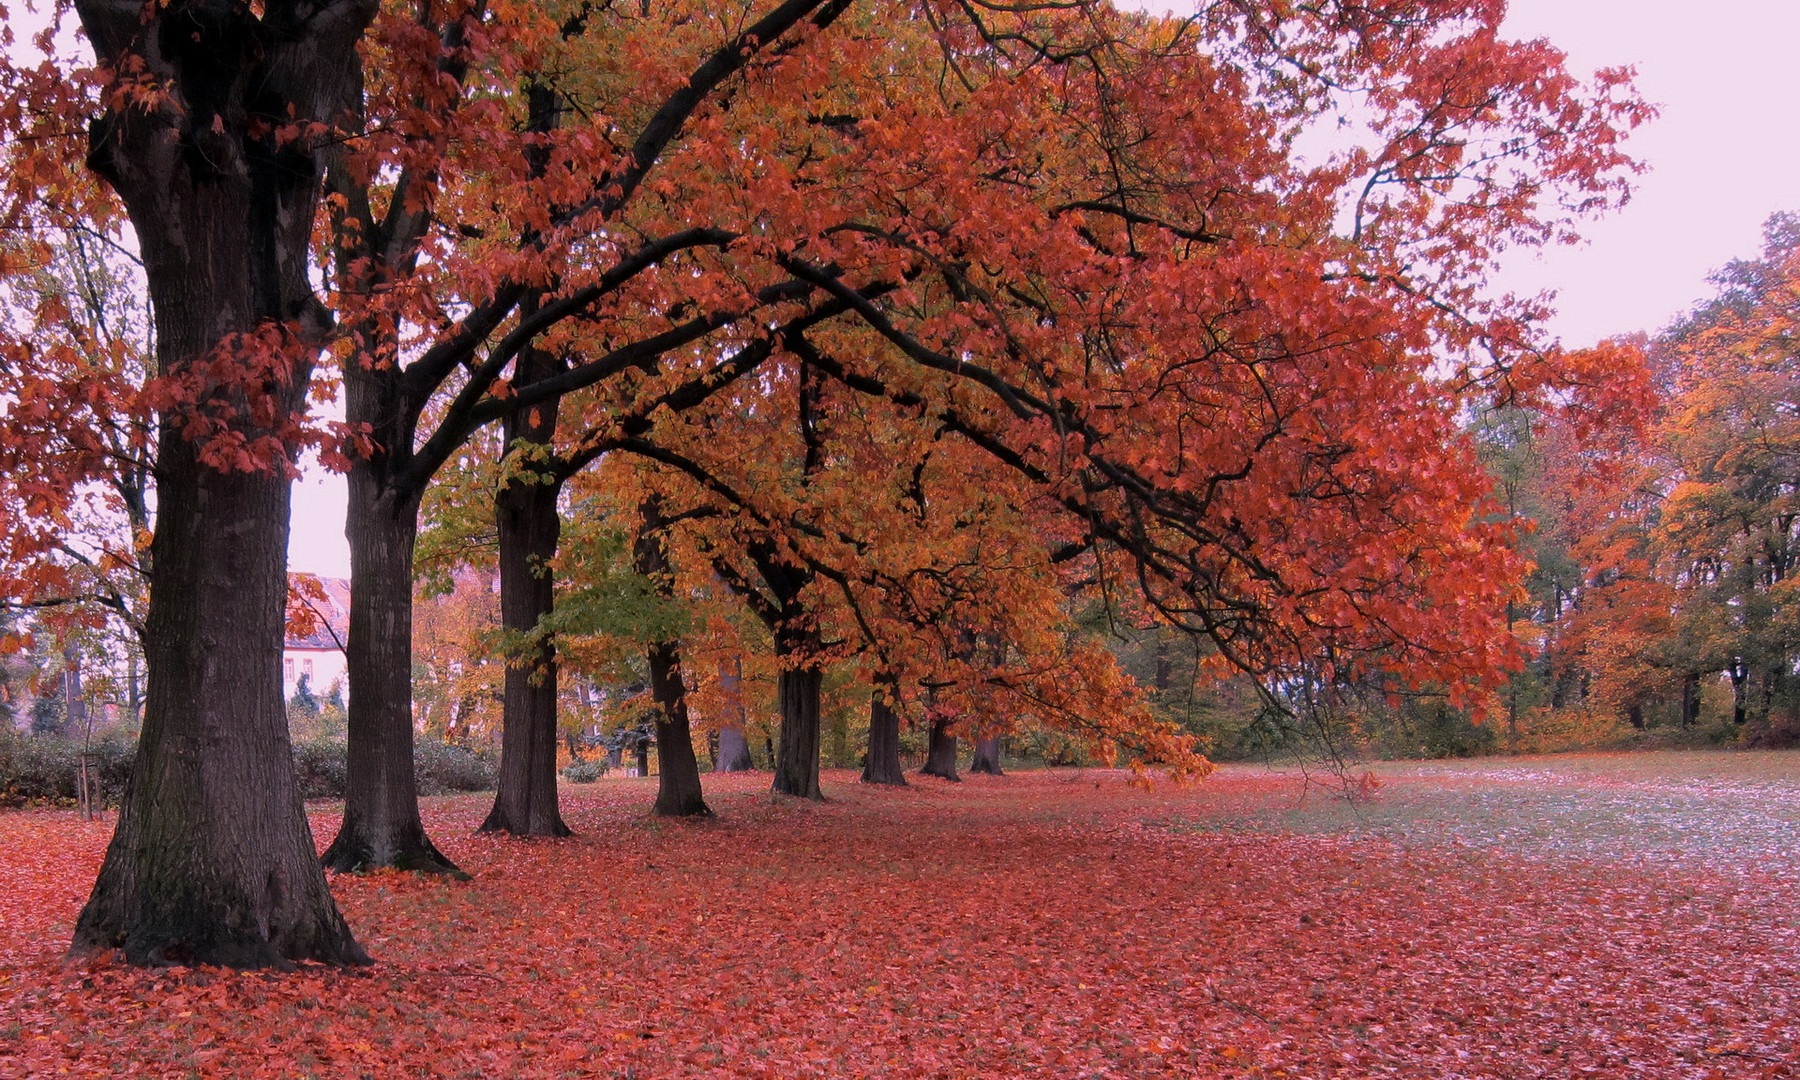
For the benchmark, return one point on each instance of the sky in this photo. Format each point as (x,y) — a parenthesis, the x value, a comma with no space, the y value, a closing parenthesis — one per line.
(1723,156)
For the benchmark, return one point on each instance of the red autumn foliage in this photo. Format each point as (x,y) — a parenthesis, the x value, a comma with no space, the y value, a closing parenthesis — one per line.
(1611,917)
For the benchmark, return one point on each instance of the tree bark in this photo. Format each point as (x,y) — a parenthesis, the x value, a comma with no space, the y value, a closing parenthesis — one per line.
(212,860)
(734,749)
(1690,700)
(529,529)
(734,752)
(797,755)
(987,757)
(381,827)
(678,772)
(940,753)
(883,763)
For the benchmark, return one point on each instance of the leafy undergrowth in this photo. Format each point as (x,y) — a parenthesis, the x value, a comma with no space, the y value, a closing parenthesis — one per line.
(1485,920)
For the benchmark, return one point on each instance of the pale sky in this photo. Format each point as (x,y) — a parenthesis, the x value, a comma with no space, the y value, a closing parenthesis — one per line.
(1724,155)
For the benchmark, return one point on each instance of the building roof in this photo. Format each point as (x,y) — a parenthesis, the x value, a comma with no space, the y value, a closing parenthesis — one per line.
(328,606)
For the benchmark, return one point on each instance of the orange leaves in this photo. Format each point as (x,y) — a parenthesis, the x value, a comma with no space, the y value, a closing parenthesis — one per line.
(1477,920)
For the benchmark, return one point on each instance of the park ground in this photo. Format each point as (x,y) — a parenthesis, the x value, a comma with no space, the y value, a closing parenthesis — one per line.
(1625,915)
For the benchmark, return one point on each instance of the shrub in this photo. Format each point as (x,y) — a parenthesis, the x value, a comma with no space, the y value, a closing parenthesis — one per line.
(320,768)
(37,771)
(584,772)
(41,771)
(442,768)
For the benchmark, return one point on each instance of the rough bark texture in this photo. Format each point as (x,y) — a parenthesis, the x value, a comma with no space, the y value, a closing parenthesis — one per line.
(987,757)
(678,771)
(212,859)
(940,753)
(797,755)
(381,825)
(529,529)
(883,764)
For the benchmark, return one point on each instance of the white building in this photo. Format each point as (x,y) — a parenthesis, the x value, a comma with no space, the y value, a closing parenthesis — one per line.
(319,656)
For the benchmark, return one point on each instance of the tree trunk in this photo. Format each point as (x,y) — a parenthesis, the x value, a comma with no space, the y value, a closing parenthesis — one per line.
(1740,678)
(987,757)
(529,529)
(643,756)
(940,753)
(381,825)
(883,763)
(734,752)
(212,860)
(678,773)
(1690,700)
(797,756)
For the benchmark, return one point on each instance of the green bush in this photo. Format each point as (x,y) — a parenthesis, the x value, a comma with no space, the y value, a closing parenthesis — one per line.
(584,772)
(38,771)
(320,769)
(442,768)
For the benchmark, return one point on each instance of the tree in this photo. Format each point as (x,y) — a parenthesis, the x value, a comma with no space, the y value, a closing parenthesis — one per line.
(1731,523)
(1072,238)
(209,133)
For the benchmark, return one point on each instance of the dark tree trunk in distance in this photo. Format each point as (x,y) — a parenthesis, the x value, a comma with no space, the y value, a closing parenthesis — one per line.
(940,753)
(529,528)
(1690,700)
(212,860)
(643,756)
(883,763)
(381,827)
(678,772)
(987,756)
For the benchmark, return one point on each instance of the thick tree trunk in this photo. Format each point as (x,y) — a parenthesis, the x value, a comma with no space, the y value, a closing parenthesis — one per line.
(734,752)
(797,756)
(883,763)
(529,529)
(940,753)
(678,774)
(212,860)
(987,757)
(381,825)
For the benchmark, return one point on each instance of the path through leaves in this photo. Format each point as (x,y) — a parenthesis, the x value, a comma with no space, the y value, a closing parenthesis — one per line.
(1553,917)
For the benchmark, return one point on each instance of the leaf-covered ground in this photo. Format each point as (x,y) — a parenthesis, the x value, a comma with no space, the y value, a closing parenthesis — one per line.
(1604,916)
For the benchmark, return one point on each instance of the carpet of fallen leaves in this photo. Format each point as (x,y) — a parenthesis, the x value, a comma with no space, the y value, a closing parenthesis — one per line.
(1622,916)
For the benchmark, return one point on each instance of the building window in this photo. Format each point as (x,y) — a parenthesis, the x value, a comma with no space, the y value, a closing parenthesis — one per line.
(306,669)
(288,669)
